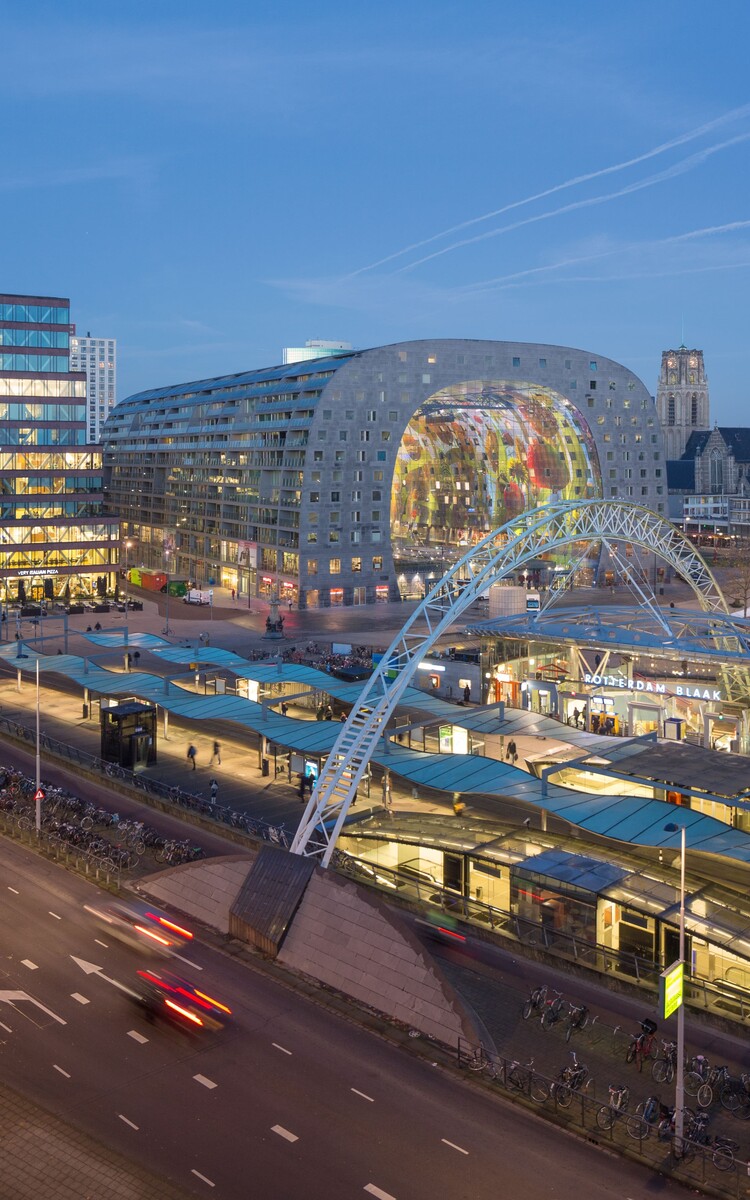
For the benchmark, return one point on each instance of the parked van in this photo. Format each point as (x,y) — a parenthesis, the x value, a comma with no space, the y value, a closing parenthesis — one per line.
(196,597)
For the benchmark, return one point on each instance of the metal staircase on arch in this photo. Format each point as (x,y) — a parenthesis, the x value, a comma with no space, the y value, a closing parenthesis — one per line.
(500,553)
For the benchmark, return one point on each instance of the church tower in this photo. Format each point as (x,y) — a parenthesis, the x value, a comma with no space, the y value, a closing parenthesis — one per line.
(682,398)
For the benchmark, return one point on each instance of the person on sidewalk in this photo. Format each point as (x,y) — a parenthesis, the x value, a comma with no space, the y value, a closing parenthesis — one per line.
(214,791)
(511,754)
(191,753)
(216,754)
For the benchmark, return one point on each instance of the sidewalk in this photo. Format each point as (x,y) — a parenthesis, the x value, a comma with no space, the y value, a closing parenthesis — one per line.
(42,1156)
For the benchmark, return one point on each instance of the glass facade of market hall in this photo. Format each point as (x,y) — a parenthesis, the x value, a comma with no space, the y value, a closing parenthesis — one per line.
(55,540)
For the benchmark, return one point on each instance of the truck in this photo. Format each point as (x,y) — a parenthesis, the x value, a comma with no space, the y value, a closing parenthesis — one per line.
(157,581)
(195,596)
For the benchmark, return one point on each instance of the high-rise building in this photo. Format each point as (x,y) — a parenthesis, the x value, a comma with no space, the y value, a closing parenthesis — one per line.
(315,348)
(54,538)
(682,403)
(98,358)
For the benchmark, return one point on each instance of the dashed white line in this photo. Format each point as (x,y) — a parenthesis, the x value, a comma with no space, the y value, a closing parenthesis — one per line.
(81,999)
(376,1191)
(14,890)
(453,1146)
(26,962)
(207,1083)
(137,1037)
(203,1177)
(284,1133)
(65,1073)
(283,1049)
(7,1028)
(49,910)
(132,1124)
(104,944)
(363,1095)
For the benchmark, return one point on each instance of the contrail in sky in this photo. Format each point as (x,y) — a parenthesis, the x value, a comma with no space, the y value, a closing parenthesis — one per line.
(686,164)
(733,115)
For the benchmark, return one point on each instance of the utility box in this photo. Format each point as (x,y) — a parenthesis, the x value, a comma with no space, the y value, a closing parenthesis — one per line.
(128,735)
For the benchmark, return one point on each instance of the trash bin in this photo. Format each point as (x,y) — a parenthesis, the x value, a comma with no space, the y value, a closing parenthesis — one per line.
(85,712)
(265,766)
(661,591)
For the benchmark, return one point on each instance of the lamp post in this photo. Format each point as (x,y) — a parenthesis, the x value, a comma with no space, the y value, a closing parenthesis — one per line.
(38,764)
(679,1089)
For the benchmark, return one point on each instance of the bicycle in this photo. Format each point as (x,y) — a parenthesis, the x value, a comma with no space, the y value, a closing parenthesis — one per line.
(696,1075)
(578,1018)
(535,1001)
(723,1151)
(647,1115)
(663,1067)
(572,1078)
(735,1096)
(479,1060)
(619,1099)
(553,1010)
(642,1044)
(525,1080)
(717,1078)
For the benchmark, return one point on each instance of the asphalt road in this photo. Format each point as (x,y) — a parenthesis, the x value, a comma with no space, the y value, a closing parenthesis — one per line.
(292,1101)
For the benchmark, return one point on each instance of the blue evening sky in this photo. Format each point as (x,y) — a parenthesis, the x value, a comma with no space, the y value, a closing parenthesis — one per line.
(209,182)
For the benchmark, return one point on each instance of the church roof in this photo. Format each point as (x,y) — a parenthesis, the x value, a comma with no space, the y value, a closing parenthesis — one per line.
(737,439)
(681,475)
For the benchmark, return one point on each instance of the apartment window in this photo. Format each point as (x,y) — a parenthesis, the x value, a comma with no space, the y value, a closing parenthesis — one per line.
(315,477)
(372,415)
(356,516)
(342,435)
(327,414)
(432,358)
(333,537)
(356,536)
(592,365)
(356,564)
(317,455)
(340,456)
(361,456)
(335,497)
(312,537)
(377,563)
(375,536)
(385,435)
(377,476)
(364,435)
(358,476)
(376,514)
(312,566)
(314,497)
(377,494)
(403,356)
(382,456)
(334,516)
(425,379)
(568,364)
(356,496)
(516,362)
(542,362)
(590,401)
(335,566)
(349,414)
(322,435)
(592,385)
(392,416)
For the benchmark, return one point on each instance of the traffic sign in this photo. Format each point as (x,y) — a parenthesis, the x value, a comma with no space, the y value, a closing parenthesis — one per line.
(39,794)
(671,989)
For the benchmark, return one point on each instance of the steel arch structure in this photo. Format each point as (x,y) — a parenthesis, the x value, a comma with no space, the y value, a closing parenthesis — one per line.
(498,554)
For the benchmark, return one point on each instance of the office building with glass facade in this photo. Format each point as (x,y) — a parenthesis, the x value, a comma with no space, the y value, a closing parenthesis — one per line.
(97,358)
(355,478)
(55,540)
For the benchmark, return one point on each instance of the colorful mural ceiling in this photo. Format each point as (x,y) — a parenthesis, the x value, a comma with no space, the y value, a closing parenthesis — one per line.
(477,454)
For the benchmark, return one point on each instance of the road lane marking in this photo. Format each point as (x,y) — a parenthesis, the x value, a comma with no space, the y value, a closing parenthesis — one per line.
(137,1037)
(14,890)
(127,1122)
(203,1177)
(282,1132)
(65,1073)
(81,999)
(376,1191)
(283,1049)
(26,962)
(7,1028)
(453,1146)
(188,961)
(12,997)
(207,1083)
(104,944)
(54,915)
(92,969)
(363,1095)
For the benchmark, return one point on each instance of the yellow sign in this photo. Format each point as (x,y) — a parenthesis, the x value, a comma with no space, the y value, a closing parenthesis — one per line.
(671,989)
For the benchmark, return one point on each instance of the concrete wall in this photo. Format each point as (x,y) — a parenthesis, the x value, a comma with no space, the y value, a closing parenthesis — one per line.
(204,890)
(347,939)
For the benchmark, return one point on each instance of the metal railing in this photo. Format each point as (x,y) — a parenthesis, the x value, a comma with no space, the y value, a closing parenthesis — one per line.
(697,1164)
(95,865)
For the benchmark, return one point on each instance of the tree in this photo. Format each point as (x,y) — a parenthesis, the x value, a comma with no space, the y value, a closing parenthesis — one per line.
(736,584)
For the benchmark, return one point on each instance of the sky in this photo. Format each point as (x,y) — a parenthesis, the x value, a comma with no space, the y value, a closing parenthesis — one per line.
(211,182)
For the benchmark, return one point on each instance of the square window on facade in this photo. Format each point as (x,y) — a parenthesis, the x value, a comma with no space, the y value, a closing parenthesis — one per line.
(356,496)
(392,416)
(372,414)
(403,356)
(568,364)
(327,414)
(314,497)
(516,362)
(425,379)
(377,476)
(592,365)
(382,456)
(356,536)
(322,436)
(377,494)
(335,566)
(333,537)
(349,413)
(315,477)
(312,566)
(335,497)
(340,456)
(592,385)
(375,536)
(385,435)
(376,514)
(342,435)
(542,362)
(377,563)
(364,435)
(312,537)
(356,564)
(361,456)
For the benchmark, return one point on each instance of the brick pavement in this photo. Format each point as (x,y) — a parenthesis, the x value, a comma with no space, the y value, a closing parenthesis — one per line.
(42,1156)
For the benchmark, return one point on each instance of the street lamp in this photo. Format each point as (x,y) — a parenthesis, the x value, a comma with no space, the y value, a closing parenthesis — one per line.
(679,1090)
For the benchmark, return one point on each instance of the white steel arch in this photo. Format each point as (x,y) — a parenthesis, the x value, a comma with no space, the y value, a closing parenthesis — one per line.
(500,553)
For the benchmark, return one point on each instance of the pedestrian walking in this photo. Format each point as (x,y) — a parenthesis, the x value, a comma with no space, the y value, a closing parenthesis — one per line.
(216,754)
(511,754)
(191,753)
(214,791)
(467,693)
(329,713)
(234,595)
(291,602)
(284,708)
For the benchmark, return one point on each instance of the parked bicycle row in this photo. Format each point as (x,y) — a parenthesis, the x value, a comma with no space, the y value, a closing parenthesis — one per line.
(650,1118)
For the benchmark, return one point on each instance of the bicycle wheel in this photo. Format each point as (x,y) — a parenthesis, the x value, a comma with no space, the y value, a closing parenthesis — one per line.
(693,1082)
(631,1052)
(549,1017)
(660,1070)
(538,1090)
(742,1111)
(729,1097)
(569,1031)
(704,1095)
(605,1117)
(563,1095)
(528,1009)
(637,1127)
(723,1159)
